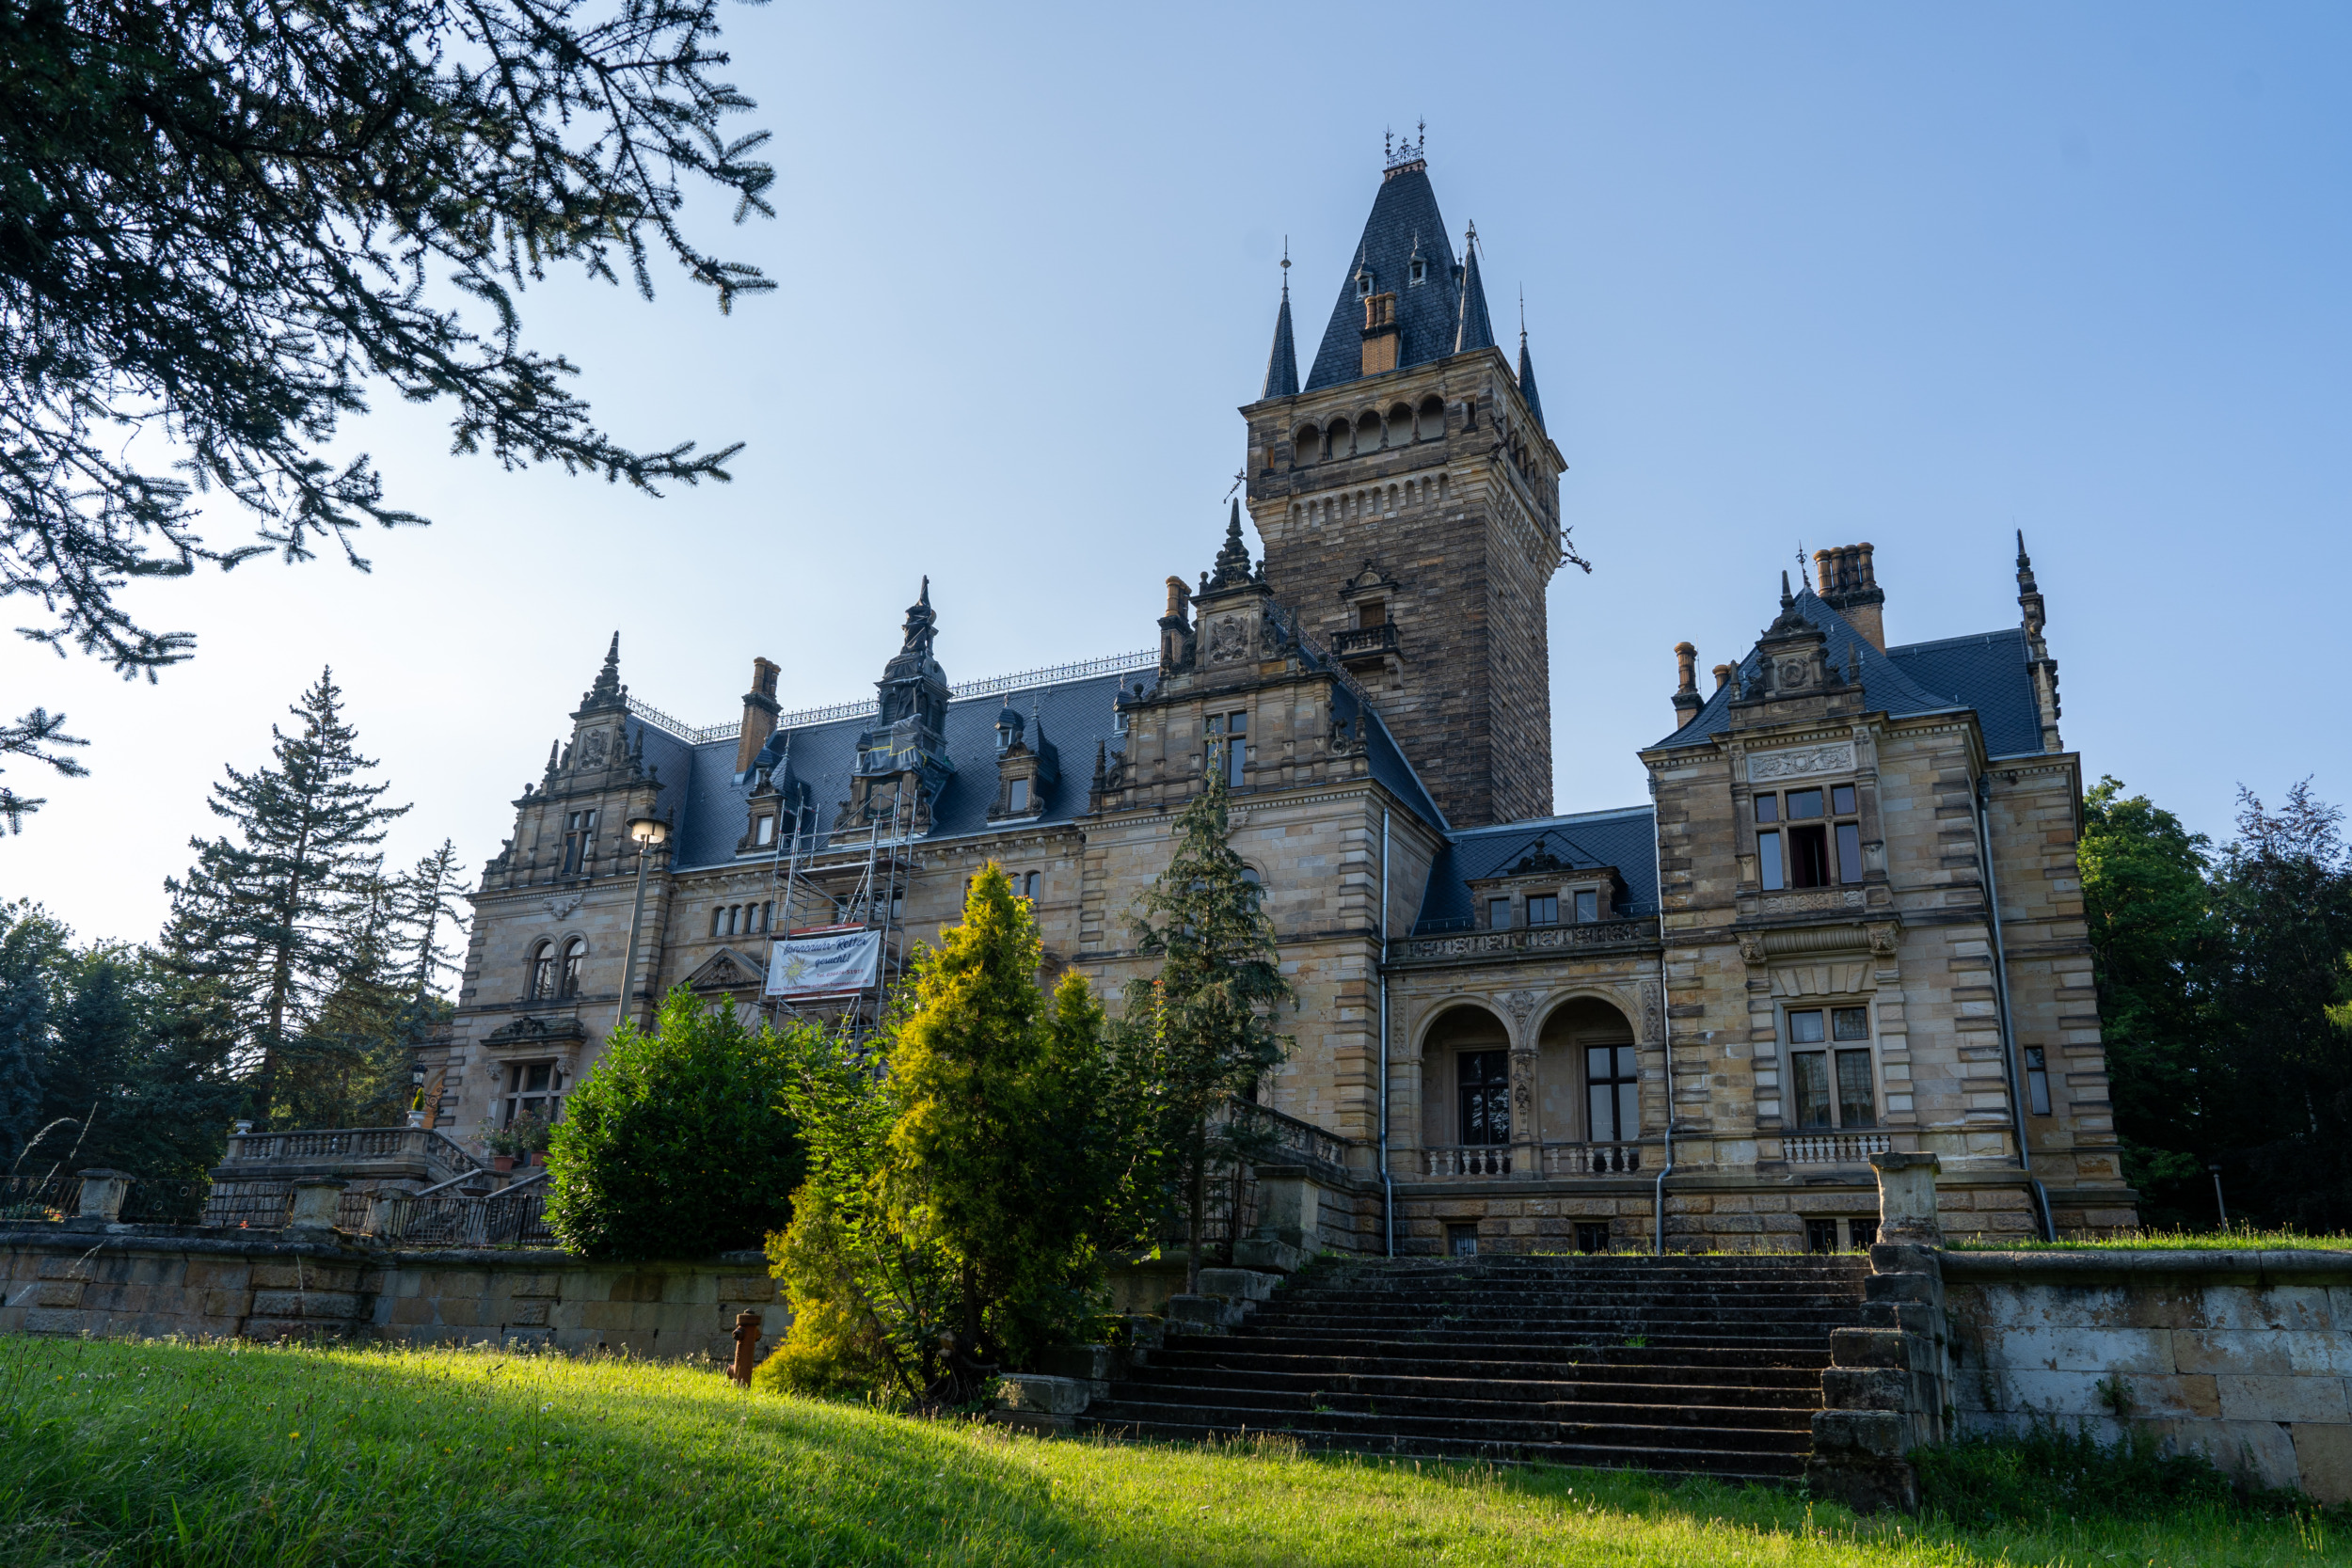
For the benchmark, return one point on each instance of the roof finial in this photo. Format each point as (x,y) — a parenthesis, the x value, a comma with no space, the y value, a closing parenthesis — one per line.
(1522,318)
(1787,600)
(1286,266)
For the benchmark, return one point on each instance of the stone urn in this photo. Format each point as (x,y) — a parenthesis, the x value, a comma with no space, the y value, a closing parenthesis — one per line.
(416,1120)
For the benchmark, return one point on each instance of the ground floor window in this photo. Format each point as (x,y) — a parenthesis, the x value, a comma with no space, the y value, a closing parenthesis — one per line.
(1485,1088)
(533,1089)
(1829,1235)
(1462,1240)
(1591,1236)
(1832,1087)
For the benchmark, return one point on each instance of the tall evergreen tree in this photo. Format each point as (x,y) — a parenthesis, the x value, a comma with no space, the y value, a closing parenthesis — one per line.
(31,947)
(349,1066)
(427,914)
(268,913)
(1203,1026)
(1010,1145)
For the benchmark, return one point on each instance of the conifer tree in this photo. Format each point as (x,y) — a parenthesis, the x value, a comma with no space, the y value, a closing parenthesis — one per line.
(425,909)
(349,1067)
(30,945)
(267,914)
(1007,1143)
(1203,1027)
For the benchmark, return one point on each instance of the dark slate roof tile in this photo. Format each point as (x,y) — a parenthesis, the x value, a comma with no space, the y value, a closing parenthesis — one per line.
(1624,838)
(1403,214)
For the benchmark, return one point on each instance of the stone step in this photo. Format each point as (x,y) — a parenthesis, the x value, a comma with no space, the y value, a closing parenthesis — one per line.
(1724,1464)
(1504,1361)
(1558,1405)
(1637,1386)
(1736,1319)
(1335,1341)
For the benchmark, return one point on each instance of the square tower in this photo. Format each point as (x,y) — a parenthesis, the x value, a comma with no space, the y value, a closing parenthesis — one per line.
(1408,500)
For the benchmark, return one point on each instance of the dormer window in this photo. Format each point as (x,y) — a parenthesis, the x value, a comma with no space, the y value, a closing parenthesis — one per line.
(764,832)
(1019,800)
(1587,905)
(1419,270)
(1498,914)
(1363,285)
(1543,909)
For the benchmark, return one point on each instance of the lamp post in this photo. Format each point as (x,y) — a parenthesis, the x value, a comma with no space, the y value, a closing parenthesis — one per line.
(648,830)
(2220,1207)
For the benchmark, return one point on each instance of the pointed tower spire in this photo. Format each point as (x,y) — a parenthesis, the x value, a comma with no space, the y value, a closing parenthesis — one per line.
(1527,370)
(608,693)
(1282,365)
(1233,561)
(1474,328)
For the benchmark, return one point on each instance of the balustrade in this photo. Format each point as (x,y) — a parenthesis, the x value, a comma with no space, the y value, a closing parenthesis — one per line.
(1474,1161)
(1833,1149)
(1591,1159)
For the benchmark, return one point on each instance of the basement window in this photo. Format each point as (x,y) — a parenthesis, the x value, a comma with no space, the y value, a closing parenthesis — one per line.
(2037,1080)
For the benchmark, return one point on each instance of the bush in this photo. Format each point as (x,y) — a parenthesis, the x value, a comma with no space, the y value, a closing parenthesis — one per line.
(2049,1471)
(680,1145)
(837,1344)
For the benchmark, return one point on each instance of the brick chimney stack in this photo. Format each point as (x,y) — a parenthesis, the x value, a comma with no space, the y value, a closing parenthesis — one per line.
(1687,698)
(1846,584)
(759,714)
(1723,676)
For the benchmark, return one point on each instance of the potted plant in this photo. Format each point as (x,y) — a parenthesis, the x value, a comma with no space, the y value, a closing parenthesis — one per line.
(416,1110)
(534,1136)
(521,1142)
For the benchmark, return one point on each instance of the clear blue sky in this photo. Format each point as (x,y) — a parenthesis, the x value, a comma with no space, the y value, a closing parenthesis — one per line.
(1818,274)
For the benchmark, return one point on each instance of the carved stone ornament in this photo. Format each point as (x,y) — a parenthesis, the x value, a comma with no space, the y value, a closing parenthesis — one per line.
(1800,762)
(1227,641)
(1346,737)
(558,907)
(1812,903)
(1884,940)
(1520,1004)
(536,1032)
(593,748)
(1752,949)
(1653,1015)
(1793,675)
(1524,1087)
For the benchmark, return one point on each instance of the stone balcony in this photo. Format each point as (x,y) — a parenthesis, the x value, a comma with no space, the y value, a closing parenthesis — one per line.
(1430,945)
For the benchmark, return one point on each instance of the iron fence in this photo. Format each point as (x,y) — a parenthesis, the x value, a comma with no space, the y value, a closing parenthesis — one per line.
(40,1197)
(165,1200)
(516,1218)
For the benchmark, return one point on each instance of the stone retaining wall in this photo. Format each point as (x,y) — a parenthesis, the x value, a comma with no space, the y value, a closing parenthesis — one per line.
(2242,1357)
(229,1284)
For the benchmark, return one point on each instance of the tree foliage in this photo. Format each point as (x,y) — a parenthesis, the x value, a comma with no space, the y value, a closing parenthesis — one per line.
(2216,976)
(1203,1027)
(680,1143)
(221,219)
(268,914)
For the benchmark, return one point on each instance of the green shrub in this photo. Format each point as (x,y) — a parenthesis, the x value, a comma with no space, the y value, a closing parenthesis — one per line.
(2048,1472)
(680,1145)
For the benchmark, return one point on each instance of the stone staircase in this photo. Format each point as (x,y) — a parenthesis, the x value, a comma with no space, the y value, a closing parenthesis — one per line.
(1689,1365)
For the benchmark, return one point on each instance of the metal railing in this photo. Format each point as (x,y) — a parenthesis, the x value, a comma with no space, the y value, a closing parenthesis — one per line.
(515,1217)
(40,1197)
(1358,641)
(167,1201)
(1833,1149)
(261,1211)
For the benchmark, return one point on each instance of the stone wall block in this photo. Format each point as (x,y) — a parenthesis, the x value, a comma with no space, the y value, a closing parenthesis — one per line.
(2282,1399)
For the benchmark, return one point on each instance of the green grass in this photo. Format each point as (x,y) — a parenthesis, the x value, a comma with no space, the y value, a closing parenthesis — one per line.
(157,1453)
(2176,1241)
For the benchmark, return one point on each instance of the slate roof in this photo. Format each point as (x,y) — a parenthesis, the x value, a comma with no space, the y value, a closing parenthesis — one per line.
(1281,362)
(1403,214)
(1526,384)
(1624,838)
(711,808)
(1964,678)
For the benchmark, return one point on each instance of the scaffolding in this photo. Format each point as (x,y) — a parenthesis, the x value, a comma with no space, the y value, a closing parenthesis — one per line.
(830,881)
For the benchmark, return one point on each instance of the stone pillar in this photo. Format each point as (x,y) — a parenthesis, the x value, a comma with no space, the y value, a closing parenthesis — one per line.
(1527,1147)
(382,1211)
(315,1201)
(1907,1214)
(103,1192)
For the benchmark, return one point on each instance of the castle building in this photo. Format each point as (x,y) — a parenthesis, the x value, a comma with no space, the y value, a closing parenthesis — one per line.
(1848,919)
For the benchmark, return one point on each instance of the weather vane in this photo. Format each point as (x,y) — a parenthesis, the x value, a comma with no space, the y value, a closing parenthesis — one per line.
(1239,474)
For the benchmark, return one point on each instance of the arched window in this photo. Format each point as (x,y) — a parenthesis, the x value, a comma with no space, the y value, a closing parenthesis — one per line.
(539,973)
(575,958)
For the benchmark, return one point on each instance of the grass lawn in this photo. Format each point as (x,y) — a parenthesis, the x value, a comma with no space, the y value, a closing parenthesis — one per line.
(157,1453)
(2178,1241)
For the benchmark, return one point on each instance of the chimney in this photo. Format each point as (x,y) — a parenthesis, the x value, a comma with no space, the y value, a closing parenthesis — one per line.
(1380,333)
(1175,626)
(759,714)
(1723,676)
(1848,585)
(1687,698)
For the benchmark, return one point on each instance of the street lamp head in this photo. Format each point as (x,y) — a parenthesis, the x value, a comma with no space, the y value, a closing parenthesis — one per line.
(648,830)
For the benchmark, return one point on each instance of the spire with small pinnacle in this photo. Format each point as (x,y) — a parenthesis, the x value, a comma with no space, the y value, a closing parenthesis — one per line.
(1233,561)
(2029,598)
(1282,365)
(1474,328)
(1527,368)
(608,693)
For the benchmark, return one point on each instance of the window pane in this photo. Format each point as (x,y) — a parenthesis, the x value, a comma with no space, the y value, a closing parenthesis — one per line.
(1628,1111)
(1588,907)
(1767,859)
(1804,802)
(1498,914)
(1542,909)
(1485,1097)
(1598,1059)
(1849,852)
(1020,794)
(2037,1080)
(1808,857)
(1238,724)
(1216,723)
(1768,808)
(1625,1061)
(1805,1028)
(536,1079)
(1857,1106)
(1236,755)
(1603,1129)
(1850,1023)
(1812,1086)
(1841,800)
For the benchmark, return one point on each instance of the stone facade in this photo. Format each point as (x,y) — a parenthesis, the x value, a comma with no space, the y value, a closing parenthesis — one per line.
(1846,922)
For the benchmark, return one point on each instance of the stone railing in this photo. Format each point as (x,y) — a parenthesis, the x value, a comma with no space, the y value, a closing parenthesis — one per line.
(1591,1159)
(349,1145)
(1294,1136)
(1527,941)
(1359,641)
(1475,1161)
(1833,1149)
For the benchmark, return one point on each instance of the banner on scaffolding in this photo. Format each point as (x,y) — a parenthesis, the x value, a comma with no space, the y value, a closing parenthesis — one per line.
(825,964)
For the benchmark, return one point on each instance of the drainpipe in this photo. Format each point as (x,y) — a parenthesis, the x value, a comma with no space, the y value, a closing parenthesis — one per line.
(1665,1019)
(2000,1000)
(1388,1187)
